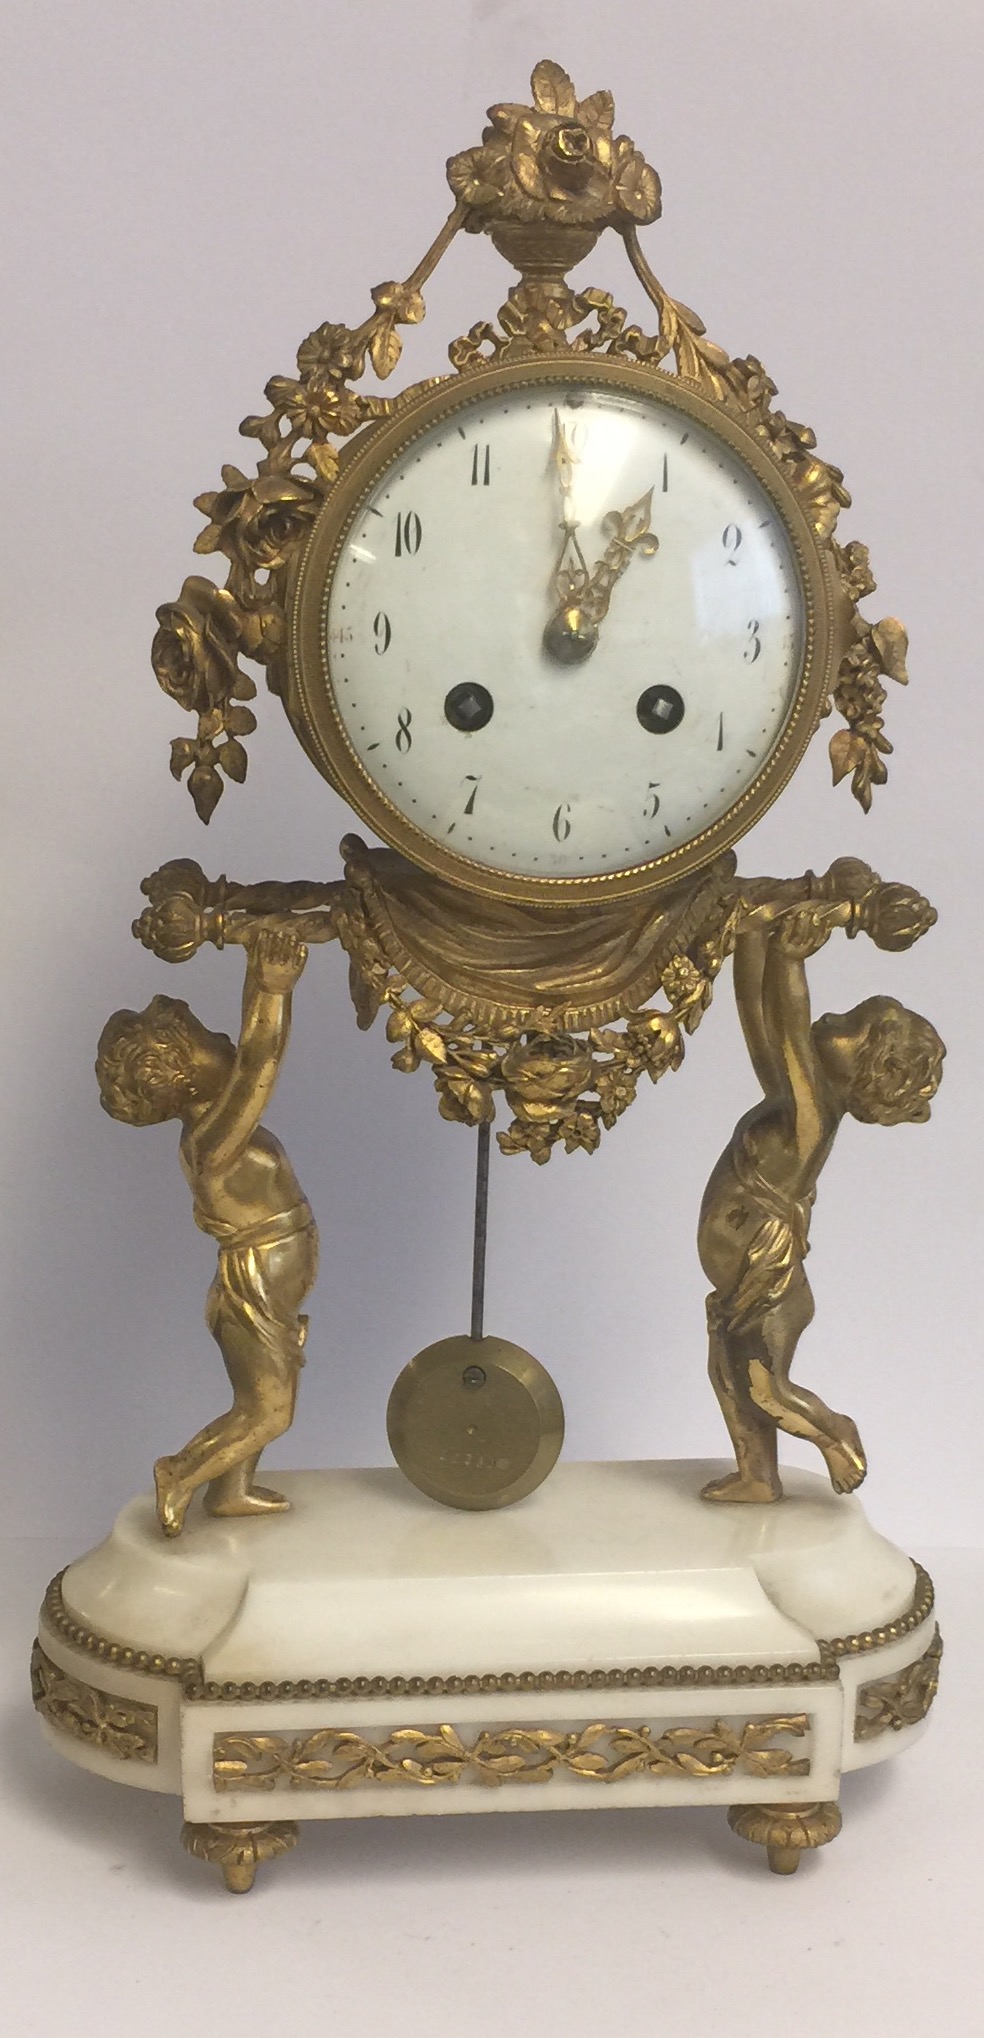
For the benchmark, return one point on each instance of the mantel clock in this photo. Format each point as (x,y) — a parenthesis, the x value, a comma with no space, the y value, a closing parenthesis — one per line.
(558,625)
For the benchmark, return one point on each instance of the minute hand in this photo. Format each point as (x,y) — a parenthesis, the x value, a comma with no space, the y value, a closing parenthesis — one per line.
(628,533)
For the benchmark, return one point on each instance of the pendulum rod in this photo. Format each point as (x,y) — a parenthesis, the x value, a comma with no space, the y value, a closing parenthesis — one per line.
(481,1232)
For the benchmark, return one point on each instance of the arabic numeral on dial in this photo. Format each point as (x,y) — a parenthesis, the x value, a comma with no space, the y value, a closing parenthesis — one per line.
(481,467)
(404,740)
(651,807)
(754,644)
(474,779)
(562,821)
(409,532)
(382,633)
(731,540)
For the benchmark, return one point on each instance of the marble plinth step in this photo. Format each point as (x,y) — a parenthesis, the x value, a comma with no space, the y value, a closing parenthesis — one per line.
(604,1566)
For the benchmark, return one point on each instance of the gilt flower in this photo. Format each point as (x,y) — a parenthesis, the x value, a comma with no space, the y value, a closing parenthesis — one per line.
(682,981)
(257,522)
(316,406)
(328,352)
(753,387)
(556,158)
(195,650)
(545,1074)
(855,569)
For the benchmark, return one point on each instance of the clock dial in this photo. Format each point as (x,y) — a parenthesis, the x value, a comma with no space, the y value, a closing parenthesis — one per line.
(565,630)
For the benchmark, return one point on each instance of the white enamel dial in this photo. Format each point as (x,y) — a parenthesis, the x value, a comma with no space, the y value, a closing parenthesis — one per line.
(565,630)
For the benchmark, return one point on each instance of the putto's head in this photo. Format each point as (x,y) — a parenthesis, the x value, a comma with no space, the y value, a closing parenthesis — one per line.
(152,1065)
(885,1061)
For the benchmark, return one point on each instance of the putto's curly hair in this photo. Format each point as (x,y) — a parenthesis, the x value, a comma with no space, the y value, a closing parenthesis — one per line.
(898,1066)
(143,1062)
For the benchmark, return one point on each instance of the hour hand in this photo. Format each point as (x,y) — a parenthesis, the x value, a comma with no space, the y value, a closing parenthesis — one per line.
(572,632)
(629,536)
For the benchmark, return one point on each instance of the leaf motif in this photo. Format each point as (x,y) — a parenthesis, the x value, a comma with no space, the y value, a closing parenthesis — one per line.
(630,1766)
(385,348)
(846,751)
(208,540)
(504,116)
(774,1762)
(432,1044)
(596,111)
(891,642)
(712,1762)
(455,1107)
(183,752)
(232,478)
(324,460)
(233,760)
(528,172)
(240,721)
(758,1733)
(553,91)
(405,304)
(629,1741)
(205,787)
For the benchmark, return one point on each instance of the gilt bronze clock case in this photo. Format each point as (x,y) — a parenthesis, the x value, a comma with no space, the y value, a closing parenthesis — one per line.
(311,699)
(629,1634)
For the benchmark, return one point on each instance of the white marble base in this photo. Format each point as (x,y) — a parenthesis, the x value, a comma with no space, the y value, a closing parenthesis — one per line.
(612,1598)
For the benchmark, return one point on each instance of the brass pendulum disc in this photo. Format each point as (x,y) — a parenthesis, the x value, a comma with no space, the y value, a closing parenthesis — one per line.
(475,1422)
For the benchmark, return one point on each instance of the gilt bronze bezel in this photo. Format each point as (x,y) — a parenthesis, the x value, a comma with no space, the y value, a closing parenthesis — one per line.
(310,698)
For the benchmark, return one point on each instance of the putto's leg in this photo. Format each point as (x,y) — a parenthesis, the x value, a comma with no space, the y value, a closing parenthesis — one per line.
(261,1342)
(752,1431)
(794,1408)
(219,1453)
(234,1493)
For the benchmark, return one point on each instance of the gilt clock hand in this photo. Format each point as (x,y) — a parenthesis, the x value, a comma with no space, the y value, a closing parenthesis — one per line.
(571,573)
(568,636)
(628,533)
(583,597)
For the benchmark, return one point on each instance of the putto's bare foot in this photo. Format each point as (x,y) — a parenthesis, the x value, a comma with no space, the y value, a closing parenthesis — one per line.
(172,1497)
(257,1500)
(845,1459)
(737,1487)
